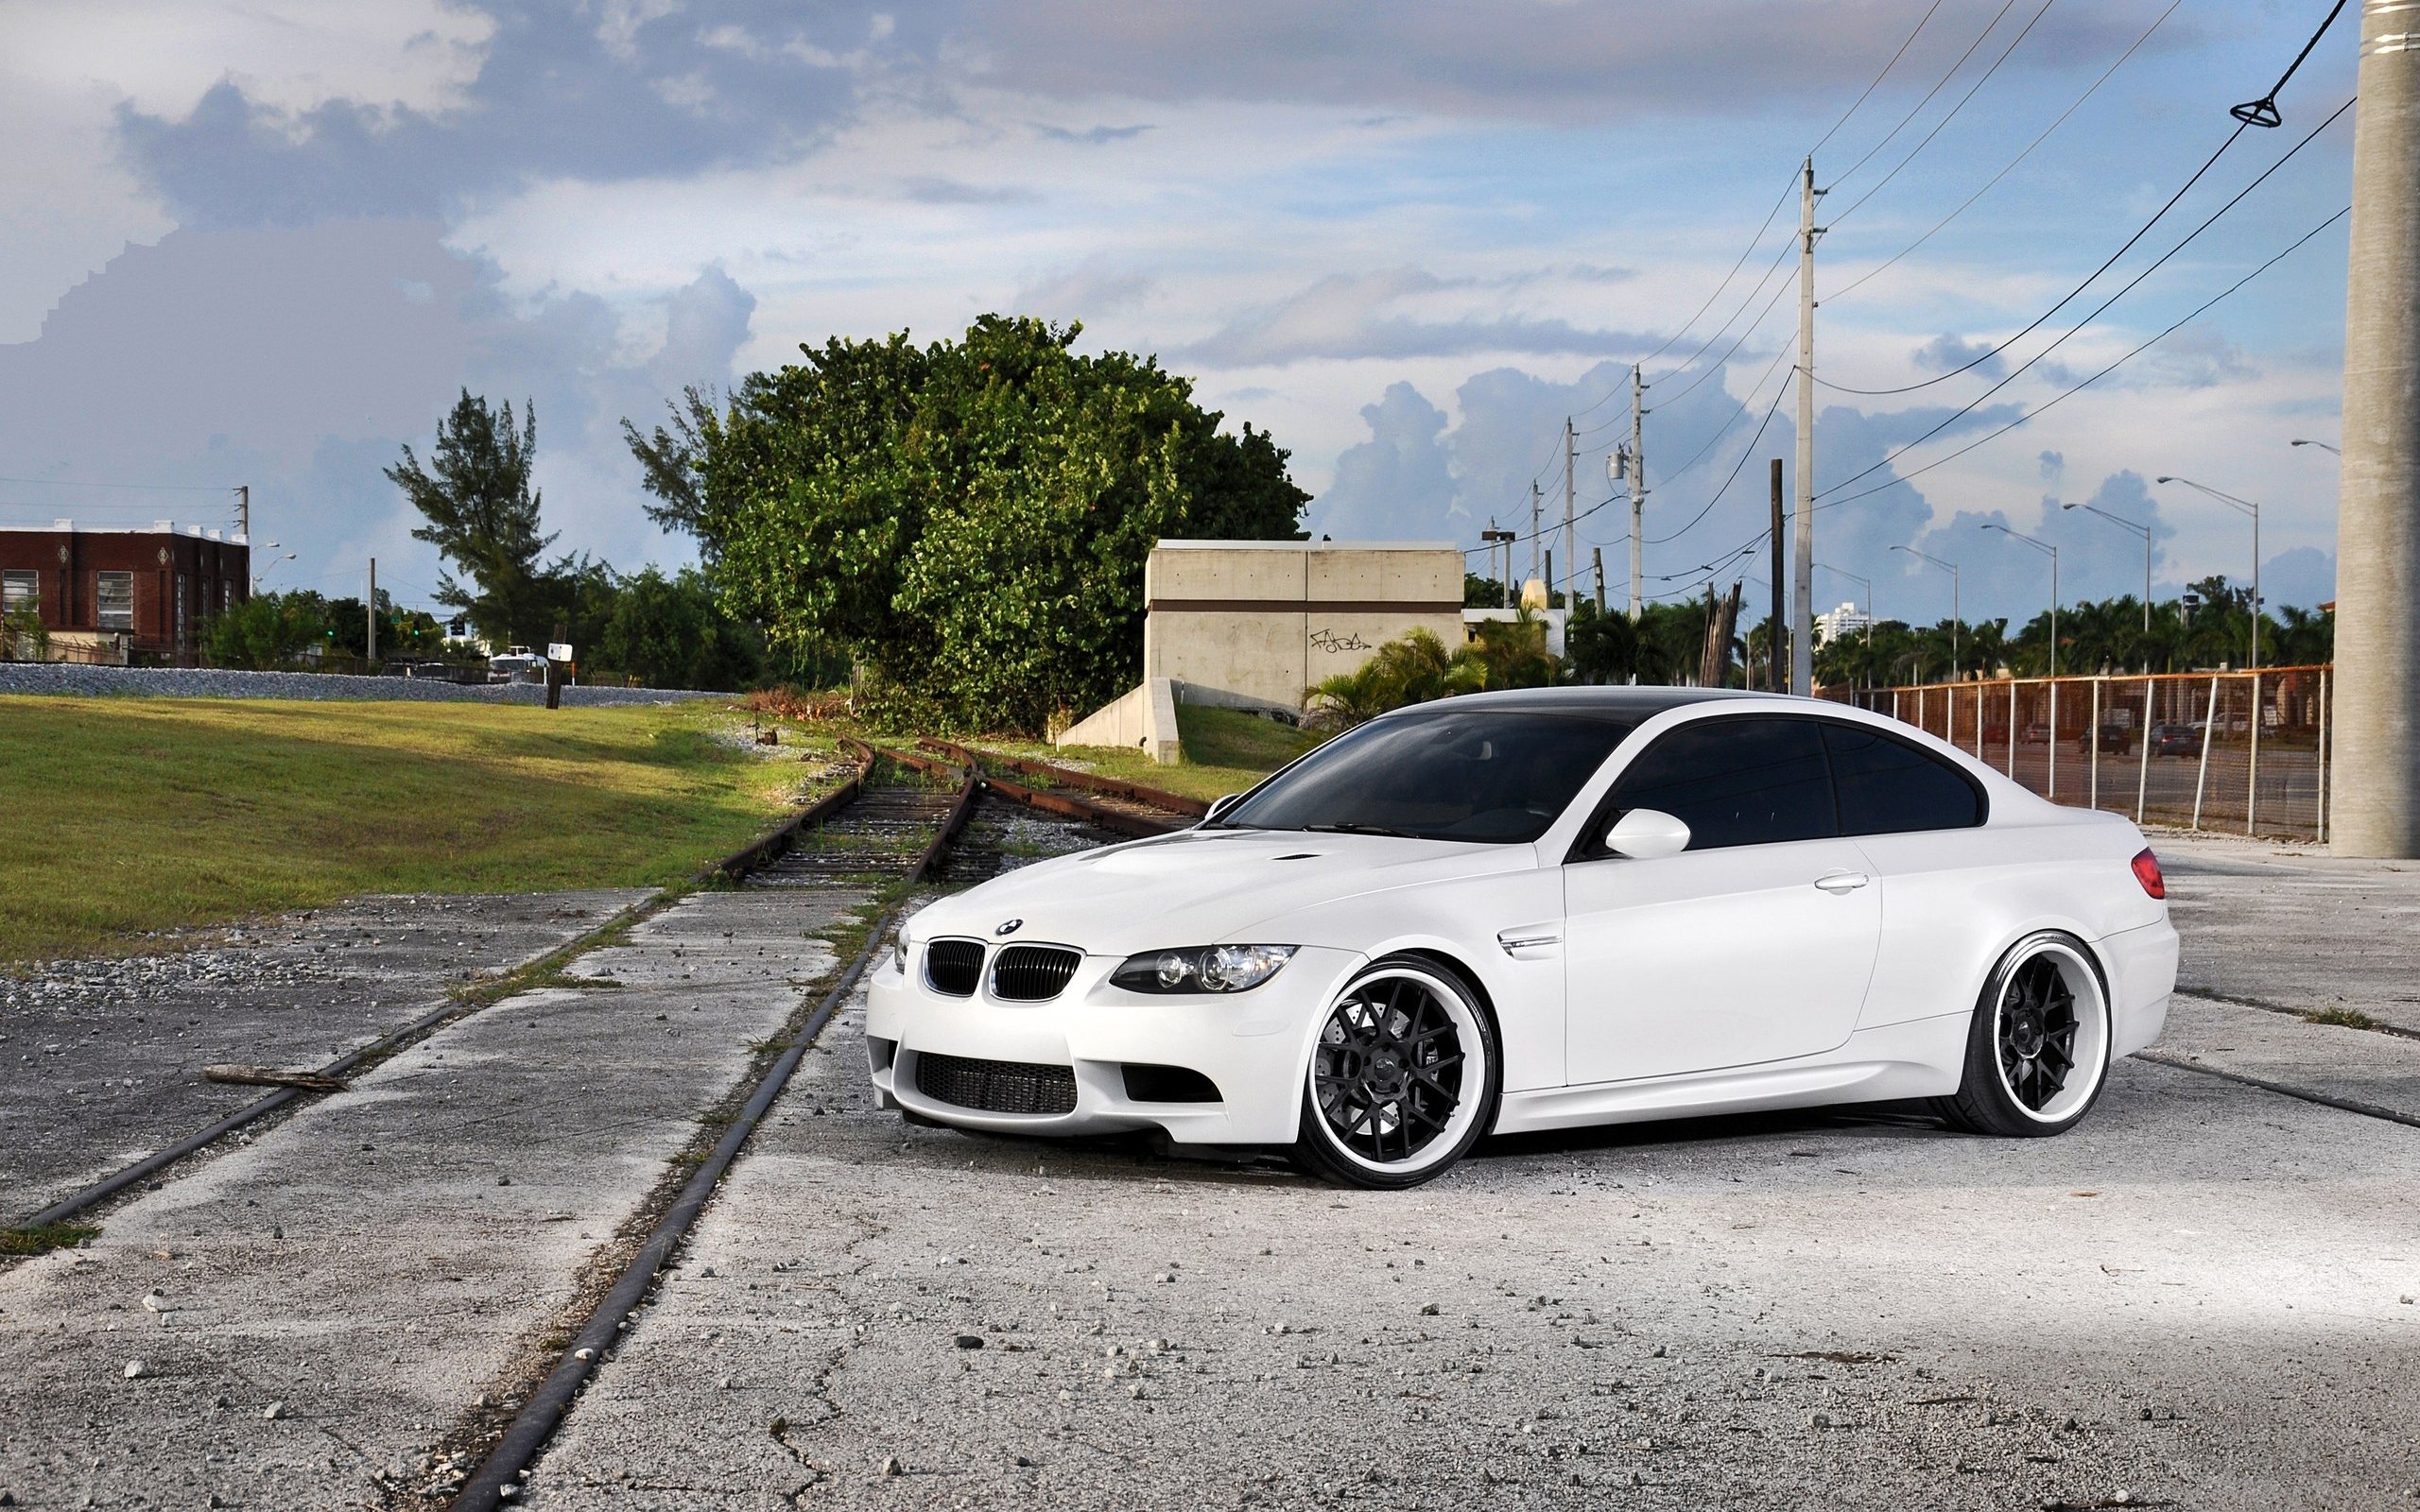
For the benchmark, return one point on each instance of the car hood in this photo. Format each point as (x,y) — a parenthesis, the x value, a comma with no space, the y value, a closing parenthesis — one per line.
(1201,888)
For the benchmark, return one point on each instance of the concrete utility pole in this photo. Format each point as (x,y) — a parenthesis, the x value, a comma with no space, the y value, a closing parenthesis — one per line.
(244,511)
(1802,642)
(1537,527)
(1598,553)
(1637,490)
(1773,633)
(1571,542)
(2376,728)
(372,631)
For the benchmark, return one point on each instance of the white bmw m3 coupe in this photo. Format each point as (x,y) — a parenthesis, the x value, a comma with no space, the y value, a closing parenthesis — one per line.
(1537,910)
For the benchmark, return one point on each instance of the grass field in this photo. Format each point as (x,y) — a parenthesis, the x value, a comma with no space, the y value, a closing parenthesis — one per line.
(126,816)
(1225,751)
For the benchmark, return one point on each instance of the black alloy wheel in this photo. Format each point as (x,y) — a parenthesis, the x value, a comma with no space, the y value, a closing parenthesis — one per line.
(2037,1037)
(1401,1077)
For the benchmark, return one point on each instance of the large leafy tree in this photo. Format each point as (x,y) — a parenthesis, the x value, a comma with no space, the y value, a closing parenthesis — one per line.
(967,520)
(482,514)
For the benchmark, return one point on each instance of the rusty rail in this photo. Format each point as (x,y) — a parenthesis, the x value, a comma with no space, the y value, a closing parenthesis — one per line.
(1068,776)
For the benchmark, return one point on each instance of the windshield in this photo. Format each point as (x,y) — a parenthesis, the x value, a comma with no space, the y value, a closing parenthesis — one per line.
(1493,776)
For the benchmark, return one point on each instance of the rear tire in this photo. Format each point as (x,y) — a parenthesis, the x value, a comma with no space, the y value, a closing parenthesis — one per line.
(1402,1079)
(2037,1045)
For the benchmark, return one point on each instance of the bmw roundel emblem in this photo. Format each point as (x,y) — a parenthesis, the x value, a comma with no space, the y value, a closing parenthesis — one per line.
(1011,927)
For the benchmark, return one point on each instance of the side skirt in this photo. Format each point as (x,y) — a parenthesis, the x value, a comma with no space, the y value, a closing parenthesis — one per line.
(1921,1059)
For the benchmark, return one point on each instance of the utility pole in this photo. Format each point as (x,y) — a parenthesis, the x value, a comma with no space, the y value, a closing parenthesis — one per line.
(373,611)
(1637,490)
(1571,542)
(1774,681)
(1598,553)
(2375,791)
(1537,527)
(1802,644)
(1499,543)
(244,511)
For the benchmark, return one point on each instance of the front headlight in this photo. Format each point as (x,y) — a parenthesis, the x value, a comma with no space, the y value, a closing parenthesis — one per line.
(1201,969)
(897,964)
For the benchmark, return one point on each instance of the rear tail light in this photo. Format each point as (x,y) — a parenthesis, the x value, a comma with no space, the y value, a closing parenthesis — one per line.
(2147,873)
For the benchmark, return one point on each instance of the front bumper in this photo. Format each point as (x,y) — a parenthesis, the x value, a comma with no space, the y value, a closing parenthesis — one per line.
(1252,1046)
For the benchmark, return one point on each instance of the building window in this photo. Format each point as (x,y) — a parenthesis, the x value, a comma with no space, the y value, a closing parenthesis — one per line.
(20,591)
(113,597)
(180,611)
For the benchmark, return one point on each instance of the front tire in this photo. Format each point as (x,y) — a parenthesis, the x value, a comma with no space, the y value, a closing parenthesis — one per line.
(1402,1079)
(2037,1047)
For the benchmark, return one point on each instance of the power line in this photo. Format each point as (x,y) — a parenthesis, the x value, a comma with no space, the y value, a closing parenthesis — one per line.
(1717,366)
(2197,311)
(171,488)
(1747,452)
(2011,165)
(1725,428)
(1904,46)
(1788,186)
(2243,125)
(1971,405)
(1918,108)
(1945,119)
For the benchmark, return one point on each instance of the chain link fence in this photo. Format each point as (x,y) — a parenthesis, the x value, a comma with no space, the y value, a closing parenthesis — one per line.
(2231,752)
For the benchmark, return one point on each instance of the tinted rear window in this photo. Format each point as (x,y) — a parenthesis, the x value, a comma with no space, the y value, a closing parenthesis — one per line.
(1888,785)
(1736,781)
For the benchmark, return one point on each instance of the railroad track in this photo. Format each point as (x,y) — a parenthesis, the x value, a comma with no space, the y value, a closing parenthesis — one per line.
(948,824)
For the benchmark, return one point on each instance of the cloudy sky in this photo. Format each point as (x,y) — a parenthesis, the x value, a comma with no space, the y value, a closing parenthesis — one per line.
(266,241)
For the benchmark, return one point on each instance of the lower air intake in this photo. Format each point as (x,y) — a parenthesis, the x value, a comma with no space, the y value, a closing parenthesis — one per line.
(996,1086)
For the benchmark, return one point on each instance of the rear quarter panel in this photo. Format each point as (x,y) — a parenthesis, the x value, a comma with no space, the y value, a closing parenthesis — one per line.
(1954,900)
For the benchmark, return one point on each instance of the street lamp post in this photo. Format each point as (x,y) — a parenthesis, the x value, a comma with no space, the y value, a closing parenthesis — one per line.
(2051,552)
(2253,509)
(2144,531)
(2324,446)
(1955,622)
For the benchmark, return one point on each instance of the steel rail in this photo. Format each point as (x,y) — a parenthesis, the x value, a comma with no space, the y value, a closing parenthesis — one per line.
(535,1423)
(1062,776)
(764,848)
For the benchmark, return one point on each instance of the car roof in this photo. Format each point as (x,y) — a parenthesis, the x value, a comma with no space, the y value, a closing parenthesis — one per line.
(1636,703)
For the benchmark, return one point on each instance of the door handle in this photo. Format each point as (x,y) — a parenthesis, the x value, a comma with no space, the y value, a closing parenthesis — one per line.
(1842,881)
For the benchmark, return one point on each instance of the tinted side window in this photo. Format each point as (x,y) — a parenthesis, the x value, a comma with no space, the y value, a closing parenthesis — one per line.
(1736,781)
(1888,785)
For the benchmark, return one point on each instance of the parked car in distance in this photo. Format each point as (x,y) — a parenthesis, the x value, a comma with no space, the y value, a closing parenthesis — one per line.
(2117,738)
(2035,735)
(2176,740)
(1529,910)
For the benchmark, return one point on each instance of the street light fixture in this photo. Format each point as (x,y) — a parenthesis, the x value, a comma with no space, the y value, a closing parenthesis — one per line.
(2324,446)
(2144,531)
(1955,622)
(2253,509)
(2051,552)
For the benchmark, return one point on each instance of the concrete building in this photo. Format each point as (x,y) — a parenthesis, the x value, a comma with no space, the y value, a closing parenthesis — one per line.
(118,594)
(1267,619)
(1846,620)
(1255,624)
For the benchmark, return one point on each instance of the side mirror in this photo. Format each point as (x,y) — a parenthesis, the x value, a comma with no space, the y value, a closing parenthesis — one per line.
(1221,805)
(1646,834)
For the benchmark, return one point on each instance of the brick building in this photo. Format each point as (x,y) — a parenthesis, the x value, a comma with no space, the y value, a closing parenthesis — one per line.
(120,594)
